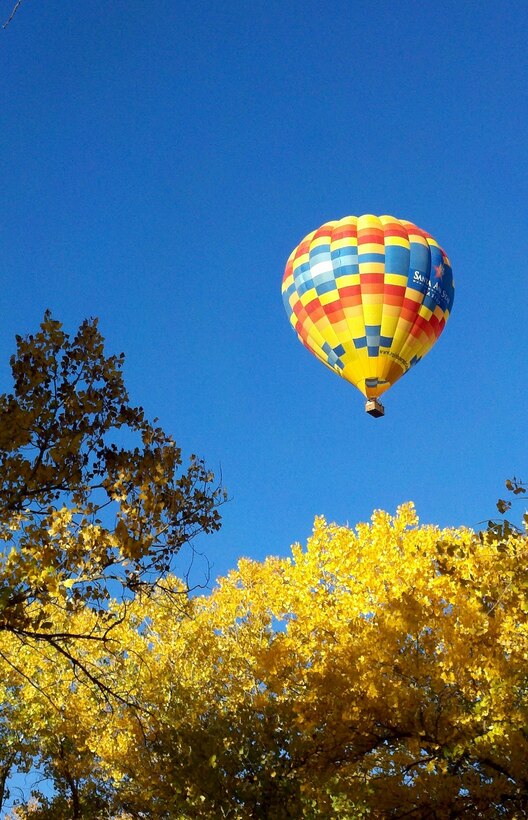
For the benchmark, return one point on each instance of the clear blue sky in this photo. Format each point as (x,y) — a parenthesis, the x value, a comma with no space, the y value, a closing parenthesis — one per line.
(160,160)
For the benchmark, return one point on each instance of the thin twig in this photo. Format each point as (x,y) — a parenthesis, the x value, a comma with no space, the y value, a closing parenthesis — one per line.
(14,11)
(31,682)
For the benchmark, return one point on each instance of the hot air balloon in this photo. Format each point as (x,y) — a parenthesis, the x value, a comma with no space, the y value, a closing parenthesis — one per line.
(369,296)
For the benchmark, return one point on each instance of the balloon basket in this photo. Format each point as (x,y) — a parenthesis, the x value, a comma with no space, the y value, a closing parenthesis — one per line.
(374,408)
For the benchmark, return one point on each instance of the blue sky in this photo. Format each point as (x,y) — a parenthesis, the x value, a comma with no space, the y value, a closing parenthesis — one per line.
(160,160)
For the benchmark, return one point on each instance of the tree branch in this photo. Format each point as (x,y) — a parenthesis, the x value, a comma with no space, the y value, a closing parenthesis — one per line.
(13,12)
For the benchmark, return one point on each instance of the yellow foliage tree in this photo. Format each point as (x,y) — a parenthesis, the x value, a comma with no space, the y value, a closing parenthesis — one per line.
(379,672)
(94,506)
(91,493)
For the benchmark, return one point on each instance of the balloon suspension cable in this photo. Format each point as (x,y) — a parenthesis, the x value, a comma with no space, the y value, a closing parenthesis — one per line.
(374,408)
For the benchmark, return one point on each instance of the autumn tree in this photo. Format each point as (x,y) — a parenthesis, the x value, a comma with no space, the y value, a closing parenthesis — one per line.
(377,672)
(94,502)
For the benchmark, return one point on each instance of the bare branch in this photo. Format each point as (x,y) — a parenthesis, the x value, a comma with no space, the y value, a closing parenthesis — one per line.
(13,12)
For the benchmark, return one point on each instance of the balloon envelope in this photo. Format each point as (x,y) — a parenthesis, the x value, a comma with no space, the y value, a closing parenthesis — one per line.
(369,296)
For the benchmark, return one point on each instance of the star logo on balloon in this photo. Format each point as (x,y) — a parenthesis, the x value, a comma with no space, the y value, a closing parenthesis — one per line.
(439,270)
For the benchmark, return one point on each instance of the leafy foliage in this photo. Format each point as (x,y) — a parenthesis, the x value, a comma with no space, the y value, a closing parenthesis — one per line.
(378,672)
(516,488)
(92,502)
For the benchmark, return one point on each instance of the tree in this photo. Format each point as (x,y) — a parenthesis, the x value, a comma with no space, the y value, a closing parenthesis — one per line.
(94,506)
(379,672)
(93,503)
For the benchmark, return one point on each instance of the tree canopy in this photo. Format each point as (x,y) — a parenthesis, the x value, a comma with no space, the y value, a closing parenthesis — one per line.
(94,503)
(379,671)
